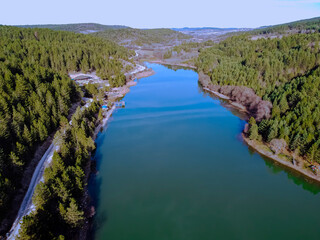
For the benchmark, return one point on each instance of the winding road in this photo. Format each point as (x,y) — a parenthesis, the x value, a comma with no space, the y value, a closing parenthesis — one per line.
(27,206)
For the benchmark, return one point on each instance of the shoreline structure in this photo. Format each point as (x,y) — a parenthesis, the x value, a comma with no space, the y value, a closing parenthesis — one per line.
(262,148)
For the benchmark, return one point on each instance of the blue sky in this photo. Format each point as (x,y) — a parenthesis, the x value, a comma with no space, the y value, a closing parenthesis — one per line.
(155,14)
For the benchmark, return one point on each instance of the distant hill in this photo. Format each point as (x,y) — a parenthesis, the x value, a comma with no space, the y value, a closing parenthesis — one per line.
(204,28)
(77,27)
(210,33)
(130,36)
(312,24)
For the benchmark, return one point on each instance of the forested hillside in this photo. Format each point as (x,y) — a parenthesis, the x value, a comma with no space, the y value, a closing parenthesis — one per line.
(141,37)
(284,71)
(76,27)
(312,24)
(36,92)
(59,199)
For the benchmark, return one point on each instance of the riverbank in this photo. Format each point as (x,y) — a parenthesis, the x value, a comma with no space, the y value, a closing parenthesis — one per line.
(299,165)
(224,97)
(172,64)
(89,209)
(241,97)
(86,200)
(145,73)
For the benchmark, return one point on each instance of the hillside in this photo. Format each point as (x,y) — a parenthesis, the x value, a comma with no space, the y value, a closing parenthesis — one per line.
(306,25)
(129,37)
(77,27)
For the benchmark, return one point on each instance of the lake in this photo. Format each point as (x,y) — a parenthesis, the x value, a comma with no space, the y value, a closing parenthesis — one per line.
(172,166)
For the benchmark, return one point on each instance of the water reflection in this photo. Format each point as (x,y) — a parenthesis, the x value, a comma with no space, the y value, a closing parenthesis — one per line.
(295,177)
(224,103)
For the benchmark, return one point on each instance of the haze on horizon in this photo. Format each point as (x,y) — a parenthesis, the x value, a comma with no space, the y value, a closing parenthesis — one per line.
(146,14)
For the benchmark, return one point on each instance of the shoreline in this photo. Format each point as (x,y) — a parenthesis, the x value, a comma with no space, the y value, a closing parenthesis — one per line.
(260,148)
(89,209)
(146,73)
(172,64)
(86,229)
(236,105)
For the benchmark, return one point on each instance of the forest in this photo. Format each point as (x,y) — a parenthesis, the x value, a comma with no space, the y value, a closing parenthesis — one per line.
(187,47)
(283,71)
(59,198)
(36,92)
(140,37)
(76,27)
(307,25)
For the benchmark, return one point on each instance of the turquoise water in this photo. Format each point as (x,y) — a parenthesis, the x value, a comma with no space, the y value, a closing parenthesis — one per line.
(172,166)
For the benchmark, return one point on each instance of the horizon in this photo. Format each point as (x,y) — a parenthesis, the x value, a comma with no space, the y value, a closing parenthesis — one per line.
(178,14)
(185,27)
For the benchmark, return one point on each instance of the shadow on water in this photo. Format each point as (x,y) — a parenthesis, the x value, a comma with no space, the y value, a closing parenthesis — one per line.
(94,191)
(294,176)
(175,67)
(224,103)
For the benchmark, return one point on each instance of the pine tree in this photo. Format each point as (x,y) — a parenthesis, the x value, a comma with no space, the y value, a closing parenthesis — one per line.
(283,104)
(253,130)
(27,136)
(73,216)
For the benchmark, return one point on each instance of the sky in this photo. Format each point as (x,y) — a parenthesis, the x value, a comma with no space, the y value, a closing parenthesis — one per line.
(156,14)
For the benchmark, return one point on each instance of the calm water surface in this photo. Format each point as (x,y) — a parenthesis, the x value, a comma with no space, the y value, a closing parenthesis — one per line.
(172,166)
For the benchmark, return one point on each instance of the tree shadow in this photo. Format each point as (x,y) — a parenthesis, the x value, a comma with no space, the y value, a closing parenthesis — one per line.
(94,188)
(297,178)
